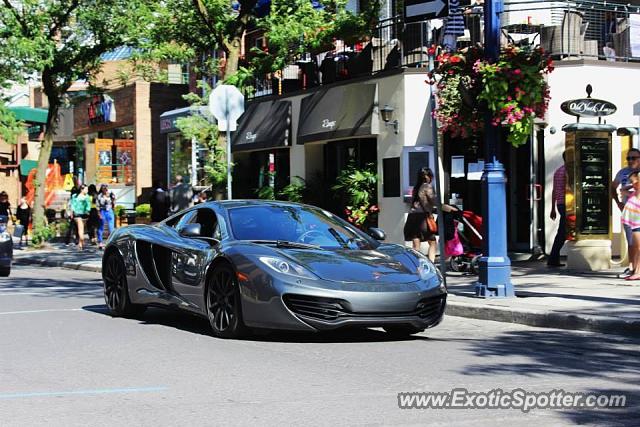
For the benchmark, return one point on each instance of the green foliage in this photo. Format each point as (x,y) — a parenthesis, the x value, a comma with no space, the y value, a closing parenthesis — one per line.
(43,234)
(143,210)
(357,187)
(266,193)
(119,211)
(10,127)
(294,192)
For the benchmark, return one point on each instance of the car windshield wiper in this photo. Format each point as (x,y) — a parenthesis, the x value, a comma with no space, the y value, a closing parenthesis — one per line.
(339,238)
(286,244)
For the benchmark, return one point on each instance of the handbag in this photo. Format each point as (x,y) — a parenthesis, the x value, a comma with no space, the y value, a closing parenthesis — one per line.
(432,226)
(429,220)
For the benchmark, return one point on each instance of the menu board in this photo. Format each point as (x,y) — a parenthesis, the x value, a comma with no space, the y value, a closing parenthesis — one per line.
(594,183)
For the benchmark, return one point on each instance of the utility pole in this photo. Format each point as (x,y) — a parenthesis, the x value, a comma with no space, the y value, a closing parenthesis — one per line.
(495,266)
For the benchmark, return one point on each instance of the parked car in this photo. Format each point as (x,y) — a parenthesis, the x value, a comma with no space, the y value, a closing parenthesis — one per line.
(274,265)
(6,247)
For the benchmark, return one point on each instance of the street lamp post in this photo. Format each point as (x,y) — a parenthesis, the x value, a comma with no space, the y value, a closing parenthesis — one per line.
(495,267)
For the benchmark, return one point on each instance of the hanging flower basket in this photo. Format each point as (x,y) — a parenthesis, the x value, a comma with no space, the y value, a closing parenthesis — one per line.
(513,90)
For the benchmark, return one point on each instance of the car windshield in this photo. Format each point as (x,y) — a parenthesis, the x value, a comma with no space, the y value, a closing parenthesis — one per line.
(296,224)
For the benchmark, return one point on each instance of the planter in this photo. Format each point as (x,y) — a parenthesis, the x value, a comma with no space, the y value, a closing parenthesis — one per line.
(141,220)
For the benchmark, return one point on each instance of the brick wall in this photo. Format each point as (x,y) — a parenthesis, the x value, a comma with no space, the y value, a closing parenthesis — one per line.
(124,99)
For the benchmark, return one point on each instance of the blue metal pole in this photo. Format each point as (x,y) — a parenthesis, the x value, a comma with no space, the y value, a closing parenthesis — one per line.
(495,266)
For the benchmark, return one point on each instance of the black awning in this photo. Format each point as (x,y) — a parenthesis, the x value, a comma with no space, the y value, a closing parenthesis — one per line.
(263,125)
(337,112)
(168,119)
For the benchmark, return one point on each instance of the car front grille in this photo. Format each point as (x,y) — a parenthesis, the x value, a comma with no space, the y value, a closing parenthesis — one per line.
(333,309)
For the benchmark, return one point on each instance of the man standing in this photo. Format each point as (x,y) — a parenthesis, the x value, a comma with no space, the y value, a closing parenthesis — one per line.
(181,195)
(160,203)
(557,201)
(622,180)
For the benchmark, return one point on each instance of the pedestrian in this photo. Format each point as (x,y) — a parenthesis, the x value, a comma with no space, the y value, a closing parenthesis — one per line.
(106,202)
(201,197)
(80,208)
(558,203)
(622,180)
(160,202)
(5,205)
(23,216)
(93,223)
(631,217)
(423,204)
(181,195)
(72,230)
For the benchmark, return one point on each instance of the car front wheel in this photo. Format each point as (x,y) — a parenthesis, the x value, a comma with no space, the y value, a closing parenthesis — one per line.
(116,293)
(224,309)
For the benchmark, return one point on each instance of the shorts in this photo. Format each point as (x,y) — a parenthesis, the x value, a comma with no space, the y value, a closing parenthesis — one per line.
(627,233)
(83,216)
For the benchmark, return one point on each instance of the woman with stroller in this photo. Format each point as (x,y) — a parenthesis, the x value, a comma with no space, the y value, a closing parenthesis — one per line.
(423,203)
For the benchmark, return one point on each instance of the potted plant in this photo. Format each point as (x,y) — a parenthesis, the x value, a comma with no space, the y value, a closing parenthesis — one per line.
(357,188)
(119,210)
(143,212)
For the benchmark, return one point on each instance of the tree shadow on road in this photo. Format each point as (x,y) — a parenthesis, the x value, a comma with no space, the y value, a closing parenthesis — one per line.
(562,354)
(59,288)
(199,325)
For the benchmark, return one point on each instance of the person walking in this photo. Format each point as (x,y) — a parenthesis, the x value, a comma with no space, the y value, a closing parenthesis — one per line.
(94,216)
(423,204)
(72,230)
(621,180)
(160,203)
(23,216)
(5,205)
(106,202)
(80,208)
(557,202)
(181,195)
(631,218)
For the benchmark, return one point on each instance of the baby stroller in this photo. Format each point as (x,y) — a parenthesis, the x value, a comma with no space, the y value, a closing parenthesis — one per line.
(463,238)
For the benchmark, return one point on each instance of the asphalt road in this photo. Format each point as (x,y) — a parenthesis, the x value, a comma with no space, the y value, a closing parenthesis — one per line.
(65,361)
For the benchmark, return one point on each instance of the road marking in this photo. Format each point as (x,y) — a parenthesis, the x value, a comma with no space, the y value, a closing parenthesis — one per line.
(53,310)
(10,294)
(81,392)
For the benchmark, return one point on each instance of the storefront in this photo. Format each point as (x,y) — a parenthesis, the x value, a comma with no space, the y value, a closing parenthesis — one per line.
(123,143)
(261,149)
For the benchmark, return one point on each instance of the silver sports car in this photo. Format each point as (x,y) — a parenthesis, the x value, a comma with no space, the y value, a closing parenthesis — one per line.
(271,265)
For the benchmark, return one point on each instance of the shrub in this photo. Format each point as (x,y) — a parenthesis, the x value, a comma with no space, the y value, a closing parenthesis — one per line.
(119,211)
(143,210)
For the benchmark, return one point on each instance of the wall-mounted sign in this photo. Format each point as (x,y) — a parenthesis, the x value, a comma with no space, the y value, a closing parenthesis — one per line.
(588,107)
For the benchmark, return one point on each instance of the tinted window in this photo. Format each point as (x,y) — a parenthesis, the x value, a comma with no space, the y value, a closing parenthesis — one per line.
(208,221)
(296,224)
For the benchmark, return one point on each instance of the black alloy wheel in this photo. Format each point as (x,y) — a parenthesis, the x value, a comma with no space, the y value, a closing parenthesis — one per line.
(223,303)
(116,294)
(5,272)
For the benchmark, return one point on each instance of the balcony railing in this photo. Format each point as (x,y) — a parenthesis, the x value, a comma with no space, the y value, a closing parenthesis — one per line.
(566,29)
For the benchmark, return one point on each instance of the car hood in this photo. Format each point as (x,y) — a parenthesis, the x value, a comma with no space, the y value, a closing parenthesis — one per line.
(361,266)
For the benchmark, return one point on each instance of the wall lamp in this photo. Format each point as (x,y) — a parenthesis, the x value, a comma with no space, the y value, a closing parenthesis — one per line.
(386,113)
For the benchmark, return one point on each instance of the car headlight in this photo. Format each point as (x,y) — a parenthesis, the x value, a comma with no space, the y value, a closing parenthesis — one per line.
(287,267)
(426,269)
(5,237)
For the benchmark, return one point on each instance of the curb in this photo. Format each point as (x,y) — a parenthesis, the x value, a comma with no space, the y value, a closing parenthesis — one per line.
(480,310)
(62,264)
(545,319)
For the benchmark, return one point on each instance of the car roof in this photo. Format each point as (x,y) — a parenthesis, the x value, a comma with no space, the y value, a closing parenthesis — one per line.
(230,204)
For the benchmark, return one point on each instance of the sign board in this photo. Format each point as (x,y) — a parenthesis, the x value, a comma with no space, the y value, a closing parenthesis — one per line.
(226,103)
(422,10)
(588,107)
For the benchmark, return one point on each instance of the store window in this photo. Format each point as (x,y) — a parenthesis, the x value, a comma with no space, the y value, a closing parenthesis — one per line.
(180,150)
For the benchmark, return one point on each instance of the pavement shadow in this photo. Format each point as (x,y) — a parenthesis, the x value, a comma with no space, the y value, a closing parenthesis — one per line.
(59,288)
(564,354)
(198,325)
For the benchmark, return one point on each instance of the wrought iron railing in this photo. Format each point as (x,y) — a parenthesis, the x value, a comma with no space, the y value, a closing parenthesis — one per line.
(566,29)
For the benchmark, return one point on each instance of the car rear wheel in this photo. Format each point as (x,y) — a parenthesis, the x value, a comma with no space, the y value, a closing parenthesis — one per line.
(224,308)
(402,331)
(116,293)
(4,272)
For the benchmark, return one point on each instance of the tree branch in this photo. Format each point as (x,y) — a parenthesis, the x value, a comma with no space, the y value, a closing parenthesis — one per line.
(25,28)
(64,18)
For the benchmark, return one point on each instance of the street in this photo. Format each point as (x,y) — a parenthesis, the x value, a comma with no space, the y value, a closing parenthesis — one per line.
(65,361)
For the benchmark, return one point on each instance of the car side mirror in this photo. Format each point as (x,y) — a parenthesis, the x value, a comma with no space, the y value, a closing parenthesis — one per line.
(376,233)
(191,230)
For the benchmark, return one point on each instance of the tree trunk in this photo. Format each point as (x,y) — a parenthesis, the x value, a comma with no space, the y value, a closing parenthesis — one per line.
(233,57)
(39,219)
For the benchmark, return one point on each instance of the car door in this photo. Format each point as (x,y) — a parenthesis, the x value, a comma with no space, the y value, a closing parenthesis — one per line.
(189,264)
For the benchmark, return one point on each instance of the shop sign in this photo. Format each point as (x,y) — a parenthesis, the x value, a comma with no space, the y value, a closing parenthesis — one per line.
(168,124)
(251,137)
(588,107)
(35,131)
(328,124)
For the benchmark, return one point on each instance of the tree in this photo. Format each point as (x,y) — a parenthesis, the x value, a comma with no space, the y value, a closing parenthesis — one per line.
(61,41)
(190,30)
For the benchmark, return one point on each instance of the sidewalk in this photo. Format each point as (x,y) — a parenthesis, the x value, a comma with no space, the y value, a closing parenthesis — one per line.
(554,298)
